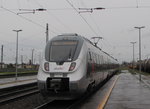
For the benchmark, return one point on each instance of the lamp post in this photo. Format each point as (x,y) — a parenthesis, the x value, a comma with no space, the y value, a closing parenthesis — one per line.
(2,57)
(32,63)
(133,53)
(16,53)
(140,49)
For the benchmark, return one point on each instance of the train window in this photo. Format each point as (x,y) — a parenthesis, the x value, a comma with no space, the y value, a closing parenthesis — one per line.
(94,58)
(101,58)
(62,50)
(98,60)
(89,65)
(89,56)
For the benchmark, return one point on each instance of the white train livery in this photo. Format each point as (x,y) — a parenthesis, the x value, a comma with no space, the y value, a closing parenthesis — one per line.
(72,65)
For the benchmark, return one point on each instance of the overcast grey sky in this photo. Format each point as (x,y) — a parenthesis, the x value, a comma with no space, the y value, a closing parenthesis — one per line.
(115,24)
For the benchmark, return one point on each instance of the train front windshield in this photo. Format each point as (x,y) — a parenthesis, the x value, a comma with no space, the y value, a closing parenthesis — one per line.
(62,50)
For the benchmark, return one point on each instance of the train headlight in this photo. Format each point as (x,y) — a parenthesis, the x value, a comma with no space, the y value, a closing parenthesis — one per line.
(46,66)
(72,66)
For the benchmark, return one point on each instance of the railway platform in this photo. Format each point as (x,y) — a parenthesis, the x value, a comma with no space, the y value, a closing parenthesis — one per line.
(129,93)
(11,82)
(123,91)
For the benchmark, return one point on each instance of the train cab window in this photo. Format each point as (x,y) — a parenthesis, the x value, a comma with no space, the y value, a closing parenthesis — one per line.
(62,50)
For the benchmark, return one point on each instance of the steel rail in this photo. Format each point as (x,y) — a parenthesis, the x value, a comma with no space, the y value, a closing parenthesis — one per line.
(7,100)
(44,105)
(6,96)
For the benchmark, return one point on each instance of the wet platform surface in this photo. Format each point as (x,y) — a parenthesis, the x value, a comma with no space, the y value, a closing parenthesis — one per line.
(10,82)
(129,93)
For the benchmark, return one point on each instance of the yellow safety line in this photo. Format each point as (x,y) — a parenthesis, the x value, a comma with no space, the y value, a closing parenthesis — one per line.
(101,105)
(16,81)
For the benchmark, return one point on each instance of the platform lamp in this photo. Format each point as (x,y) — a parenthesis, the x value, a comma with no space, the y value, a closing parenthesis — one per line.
(133,54)
(140,49)
(16,75)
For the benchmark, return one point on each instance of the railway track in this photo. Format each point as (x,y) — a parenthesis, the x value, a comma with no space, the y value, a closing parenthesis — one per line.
(70,104)
(65,104)
(58,104)
(14,93)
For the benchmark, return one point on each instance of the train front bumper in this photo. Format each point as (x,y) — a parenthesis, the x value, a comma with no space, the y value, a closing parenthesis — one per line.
(60,88)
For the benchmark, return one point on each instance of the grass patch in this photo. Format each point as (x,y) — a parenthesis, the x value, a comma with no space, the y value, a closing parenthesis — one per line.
(138,72)
(121,68)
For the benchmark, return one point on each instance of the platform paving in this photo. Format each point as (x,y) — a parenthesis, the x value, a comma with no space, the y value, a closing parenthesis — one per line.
(10,82)
(129,93)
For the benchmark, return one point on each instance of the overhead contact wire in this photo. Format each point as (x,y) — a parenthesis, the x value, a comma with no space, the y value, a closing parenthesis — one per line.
(82,18)
(93,19)
(49,14)
(31,21)
(56,18)
(23,17)
(107,44)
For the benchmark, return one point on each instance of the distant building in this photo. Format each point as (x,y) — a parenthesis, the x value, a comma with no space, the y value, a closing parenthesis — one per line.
(20,66)
(2,65)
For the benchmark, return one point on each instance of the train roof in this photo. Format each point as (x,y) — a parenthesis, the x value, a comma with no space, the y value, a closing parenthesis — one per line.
(75,36)
(72,35)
